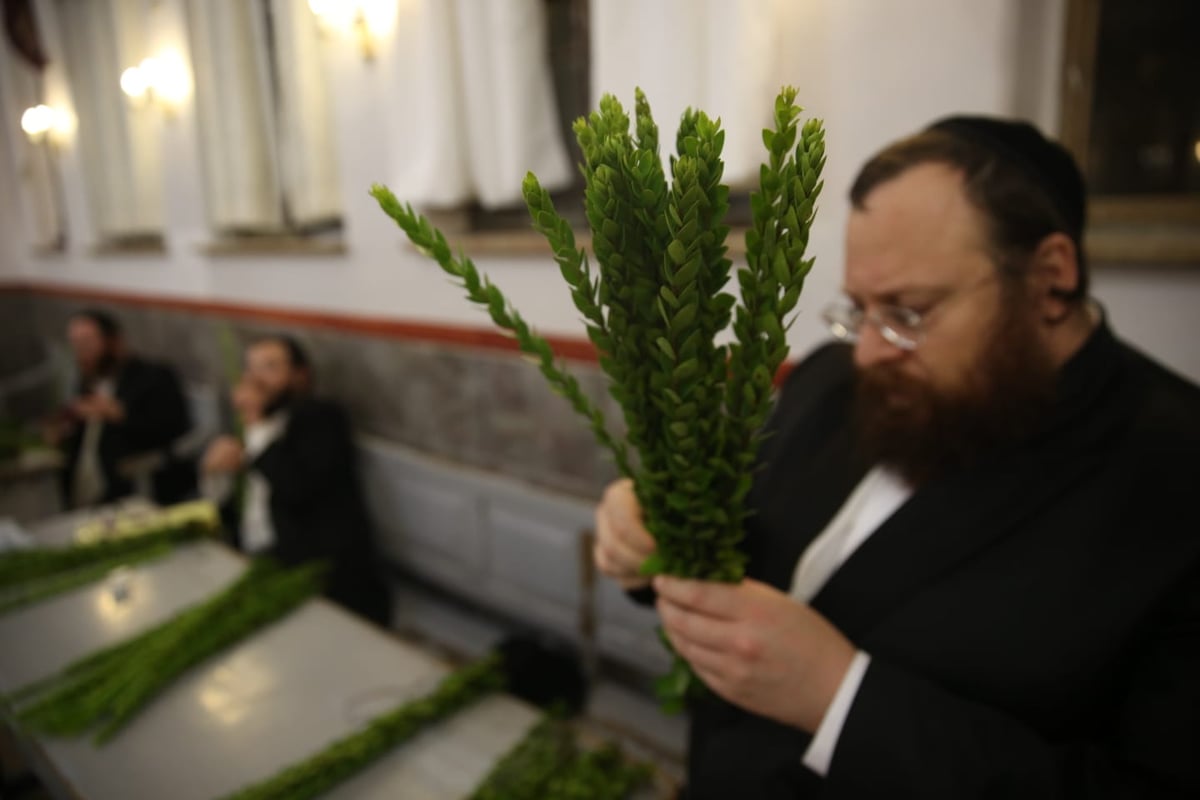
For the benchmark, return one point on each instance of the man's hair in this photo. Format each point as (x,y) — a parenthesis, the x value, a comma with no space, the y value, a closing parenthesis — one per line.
(105,322)
(1026,186)
(297,355)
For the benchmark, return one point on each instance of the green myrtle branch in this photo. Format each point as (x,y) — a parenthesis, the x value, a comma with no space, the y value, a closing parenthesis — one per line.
(483,292)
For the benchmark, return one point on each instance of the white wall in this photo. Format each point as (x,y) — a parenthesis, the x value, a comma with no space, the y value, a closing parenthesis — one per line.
(873,69)
(12,239)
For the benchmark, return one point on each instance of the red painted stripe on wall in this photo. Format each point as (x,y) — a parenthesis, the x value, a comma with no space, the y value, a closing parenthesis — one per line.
(574,348)
(578,349)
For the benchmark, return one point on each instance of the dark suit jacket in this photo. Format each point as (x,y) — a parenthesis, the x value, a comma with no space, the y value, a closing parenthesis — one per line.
(1033,623)
(156,414)
(317,508)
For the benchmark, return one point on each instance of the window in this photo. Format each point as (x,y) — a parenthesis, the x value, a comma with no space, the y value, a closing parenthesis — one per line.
(262,99)
(119,144)
(596,46)
(1131,115)
(21,88)
(568,54)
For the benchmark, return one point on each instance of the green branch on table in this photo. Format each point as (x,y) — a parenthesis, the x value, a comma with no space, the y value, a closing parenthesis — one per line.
(47,586)
(23,566)
(548,765)
(346,757)
(104,691)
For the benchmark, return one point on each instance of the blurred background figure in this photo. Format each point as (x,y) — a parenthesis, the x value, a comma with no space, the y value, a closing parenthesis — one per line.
(121,421)
(289,486)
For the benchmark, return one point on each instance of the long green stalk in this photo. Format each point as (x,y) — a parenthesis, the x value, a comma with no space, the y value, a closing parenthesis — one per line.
(346,757)
(105,690)
(548,765)
(23,566)
(42,588)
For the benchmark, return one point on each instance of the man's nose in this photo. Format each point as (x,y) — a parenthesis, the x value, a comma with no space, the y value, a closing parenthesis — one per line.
(872,349)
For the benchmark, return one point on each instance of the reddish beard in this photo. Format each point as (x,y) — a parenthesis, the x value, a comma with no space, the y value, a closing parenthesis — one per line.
(925,432)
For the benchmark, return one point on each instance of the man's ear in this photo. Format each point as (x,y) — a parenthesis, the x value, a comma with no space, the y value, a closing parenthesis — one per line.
(1054,277)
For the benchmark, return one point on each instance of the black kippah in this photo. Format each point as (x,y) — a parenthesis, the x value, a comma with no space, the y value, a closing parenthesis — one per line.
(1023,146)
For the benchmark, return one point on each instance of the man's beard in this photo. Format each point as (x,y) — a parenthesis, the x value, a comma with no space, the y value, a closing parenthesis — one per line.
(925,432)
(279,401)
(105,367)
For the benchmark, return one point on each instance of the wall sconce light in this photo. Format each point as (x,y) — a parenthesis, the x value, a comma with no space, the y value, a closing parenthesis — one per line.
(369,20)
(162,80)
(43,123)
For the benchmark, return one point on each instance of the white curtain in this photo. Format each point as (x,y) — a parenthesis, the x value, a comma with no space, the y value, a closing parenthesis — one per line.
(726,57)
(306,145)
(34,161)
(233,105)
(474,106)
(263,102)
(120,147)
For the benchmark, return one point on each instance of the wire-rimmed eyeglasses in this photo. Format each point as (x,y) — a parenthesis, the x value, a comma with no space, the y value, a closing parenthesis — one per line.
(899,326)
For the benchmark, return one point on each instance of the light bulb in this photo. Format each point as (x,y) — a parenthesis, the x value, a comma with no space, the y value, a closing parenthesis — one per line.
(170,80)
(37,120)
(335,14)
(150,69)
(134,82)
(62,123)
(380,15)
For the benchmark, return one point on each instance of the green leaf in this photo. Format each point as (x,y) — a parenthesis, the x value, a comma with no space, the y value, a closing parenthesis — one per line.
(686,370)
(653,565)
(683,318)
(780,265)
(677,251)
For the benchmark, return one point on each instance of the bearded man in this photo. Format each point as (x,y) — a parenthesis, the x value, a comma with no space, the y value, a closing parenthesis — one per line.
(299,498)
(974,566)
(124,407)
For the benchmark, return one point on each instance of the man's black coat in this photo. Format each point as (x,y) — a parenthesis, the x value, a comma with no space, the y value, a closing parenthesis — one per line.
(1033,622)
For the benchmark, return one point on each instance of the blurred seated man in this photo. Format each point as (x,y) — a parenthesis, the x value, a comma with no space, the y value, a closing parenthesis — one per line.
(124,408)
(300,500)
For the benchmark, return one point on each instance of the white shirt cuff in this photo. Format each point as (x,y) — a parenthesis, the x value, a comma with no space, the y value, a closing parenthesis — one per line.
(820,750)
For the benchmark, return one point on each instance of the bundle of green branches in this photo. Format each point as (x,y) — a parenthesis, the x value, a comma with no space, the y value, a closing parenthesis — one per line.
(548,765)
(349,755)
(693,408)
(104,691)
(34,574)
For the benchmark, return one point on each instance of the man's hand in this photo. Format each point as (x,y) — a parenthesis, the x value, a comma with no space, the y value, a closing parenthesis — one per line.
(99,406)
(756,647)
(249,401)
(57,428)
(224,455)
(622,541)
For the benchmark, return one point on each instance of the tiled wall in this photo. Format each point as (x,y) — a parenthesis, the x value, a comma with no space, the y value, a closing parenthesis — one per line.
(482,408)
(19,348)
(21,351)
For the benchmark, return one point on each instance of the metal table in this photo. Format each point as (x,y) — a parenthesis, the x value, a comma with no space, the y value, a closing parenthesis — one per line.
(280,696)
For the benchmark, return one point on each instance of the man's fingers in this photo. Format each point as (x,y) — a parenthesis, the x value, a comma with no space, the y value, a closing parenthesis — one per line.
(721,600)
(708,663)
(697,628)
(621,543)
(624,518)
